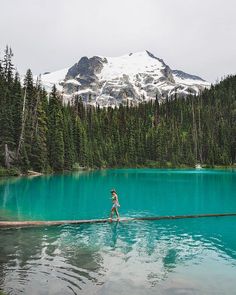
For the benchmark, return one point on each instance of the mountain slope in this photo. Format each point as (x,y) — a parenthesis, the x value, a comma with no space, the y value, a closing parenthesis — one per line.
(110,81)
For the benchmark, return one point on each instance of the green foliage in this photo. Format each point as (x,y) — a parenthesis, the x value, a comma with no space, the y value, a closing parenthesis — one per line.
(9,172)
(41,133)
(56,144)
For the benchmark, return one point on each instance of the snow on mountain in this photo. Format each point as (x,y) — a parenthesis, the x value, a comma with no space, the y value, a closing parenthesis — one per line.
(57,78)
(111,81)
(182,77)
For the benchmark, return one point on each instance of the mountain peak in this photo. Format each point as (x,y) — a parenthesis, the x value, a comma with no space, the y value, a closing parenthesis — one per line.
(134,77)
(140,53)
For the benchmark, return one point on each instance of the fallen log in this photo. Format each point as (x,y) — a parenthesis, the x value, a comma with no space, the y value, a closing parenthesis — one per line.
(13,224)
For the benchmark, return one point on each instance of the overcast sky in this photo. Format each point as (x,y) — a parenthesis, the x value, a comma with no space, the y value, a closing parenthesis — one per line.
(197,36)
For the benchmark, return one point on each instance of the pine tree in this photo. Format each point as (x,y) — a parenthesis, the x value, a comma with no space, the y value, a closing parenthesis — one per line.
(69,147)
(48,135)
(39,159)
(55,132)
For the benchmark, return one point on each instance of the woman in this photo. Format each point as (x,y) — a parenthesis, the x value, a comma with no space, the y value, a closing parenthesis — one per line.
(115,205)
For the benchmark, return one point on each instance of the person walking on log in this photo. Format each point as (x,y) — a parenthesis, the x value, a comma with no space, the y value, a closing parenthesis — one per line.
(115,205)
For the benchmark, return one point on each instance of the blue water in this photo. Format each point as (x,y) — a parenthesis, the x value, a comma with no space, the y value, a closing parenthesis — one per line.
(188,256)
(141,192)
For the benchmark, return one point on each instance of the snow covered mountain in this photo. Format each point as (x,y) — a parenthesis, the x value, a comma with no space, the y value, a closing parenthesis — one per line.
(110,81)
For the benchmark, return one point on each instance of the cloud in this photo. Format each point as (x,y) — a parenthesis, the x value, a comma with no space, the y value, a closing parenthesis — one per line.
(195,36)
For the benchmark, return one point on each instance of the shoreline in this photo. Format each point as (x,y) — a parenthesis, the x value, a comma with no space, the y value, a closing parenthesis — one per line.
(14,172)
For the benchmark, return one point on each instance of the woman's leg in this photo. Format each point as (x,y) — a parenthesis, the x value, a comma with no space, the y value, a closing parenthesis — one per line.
(117,213)
(112,210)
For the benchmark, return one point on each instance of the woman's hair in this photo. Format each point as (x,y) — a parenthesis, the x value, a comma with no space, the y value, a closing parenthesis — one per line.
(113,191)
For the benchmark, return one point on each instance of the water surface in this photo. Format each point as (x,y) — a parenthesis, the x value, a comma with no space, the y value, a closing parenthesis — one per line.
(86,195)
(192,256)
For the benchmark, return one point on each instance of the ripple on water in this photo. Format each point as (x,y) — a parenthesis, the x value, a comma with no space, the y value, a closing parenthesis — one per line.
(164,257)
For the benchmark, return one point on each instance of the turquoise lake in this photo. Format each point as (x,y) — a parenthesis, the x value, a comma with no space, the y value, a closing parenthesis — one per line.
(188,256)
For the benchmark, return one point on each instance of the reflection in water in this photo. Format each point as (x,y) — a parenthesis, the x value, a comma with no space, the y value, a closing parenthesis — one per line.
(114,233)
(164,257)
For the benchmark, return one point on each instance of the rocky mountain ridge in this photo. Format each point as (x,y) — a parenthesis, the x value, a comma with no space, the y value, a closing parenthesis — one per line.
(131,78)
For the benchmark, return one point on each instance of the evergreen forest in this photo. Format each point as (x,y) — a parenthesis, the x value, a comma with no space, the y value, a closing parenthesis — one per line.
(39,132)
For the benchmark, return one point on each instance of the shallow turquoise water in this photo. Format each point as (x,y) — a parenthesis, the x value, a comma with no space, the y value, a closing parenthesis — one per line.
(196,256)
(141,192)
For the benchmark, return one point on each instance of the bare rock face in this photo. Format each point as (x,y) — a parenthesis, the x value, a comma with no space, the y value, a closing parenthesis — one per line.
(86,67)
(132,78)
(82,75)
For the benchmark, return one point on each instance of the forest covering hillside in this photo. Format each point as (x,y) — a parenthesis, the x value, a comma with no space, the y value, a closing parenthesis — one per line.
(38,132)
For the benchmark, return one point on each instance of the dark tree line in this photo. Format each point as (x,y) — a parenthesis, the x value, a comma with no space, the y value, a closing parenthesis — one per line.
(39,132)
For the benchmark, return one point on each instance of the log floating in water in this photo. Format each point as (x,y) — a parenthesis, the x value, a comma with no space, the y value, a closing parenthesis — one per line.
(10,224)
(34,173)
